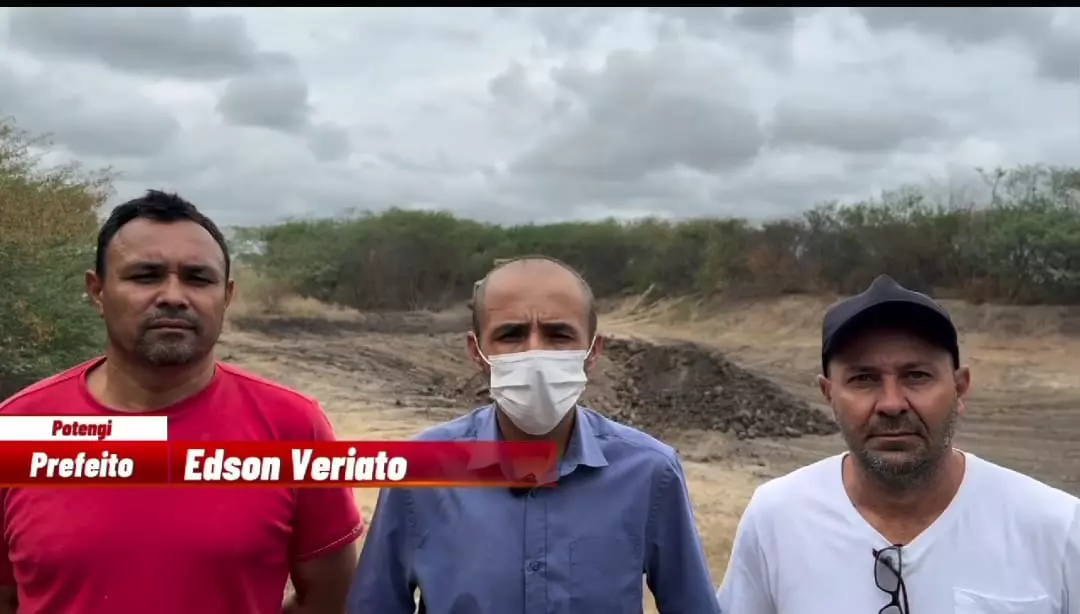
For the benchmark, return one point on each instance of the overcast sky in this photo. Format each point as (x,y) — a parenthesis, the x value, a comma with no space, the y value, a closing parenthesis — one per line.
(516,115)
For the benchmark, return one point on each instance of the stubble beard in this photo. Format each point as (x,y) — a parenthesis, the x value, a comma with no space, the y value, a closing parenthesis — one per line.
(912,472)
(164,351)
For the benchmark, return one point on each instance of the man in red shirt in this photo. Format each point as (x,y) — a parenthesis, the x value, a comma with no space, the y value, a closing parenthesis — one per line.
(161,283)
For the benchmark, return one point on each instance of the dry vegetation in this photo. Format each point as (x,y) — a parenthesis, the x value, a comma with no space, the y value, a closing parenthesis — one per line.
(48,218)
(366,312)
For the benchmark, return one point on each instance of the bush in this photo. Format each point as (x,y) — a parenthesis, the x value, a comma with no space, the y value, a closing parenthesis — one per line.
(49,220)
(1021,246)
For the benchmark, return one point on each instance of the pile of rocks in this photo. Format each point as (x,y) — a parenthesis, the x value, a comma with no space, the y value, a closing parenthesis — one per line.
(685,386)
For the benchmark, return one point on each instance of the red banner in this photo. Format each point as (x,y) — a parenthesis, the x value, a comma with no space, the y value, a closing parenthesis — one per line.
(356,464)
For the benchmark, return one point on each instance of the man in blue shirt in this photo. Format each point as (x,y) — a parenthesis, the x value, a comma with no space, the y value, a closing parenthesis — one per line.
(619,511)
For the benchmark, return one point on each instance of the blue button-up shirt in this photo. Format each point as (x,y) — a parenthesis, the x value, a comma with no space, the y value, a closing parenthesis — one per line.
(620,511)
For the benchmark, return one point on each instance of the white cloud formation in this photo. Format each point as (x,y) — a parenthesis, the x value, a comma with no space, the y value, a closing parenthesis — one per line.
(527,114)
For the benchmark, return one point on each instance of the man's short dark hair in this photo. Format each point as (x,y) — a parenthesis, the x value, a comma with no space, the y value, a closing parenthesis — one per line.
(160,207)
(476,305)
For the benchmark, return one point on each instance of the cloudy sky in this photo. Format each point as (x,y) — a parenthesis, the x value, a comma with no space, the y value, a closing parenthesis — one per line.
(517,114)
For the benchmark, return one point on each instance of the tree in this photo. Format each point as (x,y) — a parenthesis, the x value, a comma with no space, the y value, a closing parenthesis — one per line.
(1021,245)
(48,217)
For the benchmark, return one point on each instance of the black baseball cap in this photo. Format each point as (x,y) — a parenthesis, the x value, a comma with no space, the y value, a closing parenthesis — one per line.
(886,302)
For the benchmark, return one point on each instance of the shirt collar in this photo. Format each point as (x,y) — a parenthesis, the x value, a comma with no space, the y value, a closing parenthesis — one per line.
(583,450)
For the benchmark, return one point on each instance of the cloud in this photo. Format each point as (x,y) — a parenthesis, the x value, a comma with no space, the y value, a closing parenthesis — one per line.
(641,113)
(861,130)
(153,41)
(276,99)
(536,114)
(1051,35)
(115,124)
(715,20)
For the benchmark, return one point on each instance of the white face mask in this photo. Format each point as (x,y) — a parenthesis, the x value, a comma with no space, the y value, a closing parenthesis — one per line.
(536,389)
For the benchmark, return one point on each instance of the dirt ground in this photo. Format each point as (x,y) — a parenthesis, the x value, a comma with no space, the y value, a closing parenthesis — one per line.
(387,376)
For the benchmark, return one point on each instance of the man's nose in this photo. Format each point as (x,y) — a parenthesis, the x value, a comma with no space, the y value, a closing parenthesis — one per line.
(172,293)
(892,399)
(536,340)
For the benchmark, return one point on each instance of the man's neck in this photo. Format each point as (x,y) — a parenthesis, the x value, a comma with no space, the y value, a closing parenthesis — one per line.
(901,514)
(126,385)
(560,435)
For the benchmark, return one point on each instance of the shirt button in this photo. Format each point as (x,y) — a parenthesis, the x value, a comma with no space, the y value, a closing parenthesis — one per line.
(535,565)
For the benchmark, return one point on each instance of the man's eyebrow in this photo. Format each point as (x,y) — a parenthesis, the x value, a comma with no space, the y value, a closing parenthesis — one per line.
(558,327)
(200,268)
(142,265)
(510,328)
(917,364)
(157,265)
(869,368)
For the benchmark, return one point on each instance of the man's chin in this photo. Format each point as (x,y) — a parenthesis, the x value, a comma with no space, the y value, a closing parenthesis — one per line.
(170,356)
(896,464)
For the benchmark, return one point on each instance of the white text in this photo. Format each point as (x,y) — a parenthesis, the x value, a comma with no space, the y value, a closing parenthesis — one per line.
(107,466)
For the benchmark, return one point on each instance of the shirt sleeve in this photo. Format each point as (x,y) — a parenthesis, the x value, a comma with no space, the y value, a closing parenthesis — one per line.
(327,519)
(1072,566)
(7,574)
(743,589)
(384,581)
(676,569)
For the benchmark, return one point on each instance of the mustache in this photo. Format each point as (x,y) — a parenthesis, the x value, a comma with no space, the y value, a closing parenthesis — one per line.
(904,422)
(157,317)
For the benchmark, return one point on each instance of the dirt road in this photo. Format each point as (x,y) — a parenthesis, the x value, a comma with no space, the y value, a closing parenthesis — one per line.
(390,375)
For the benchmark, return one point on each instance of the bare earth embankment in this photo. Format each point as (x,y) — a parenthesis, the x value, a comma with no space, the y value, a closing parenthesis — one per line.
(731,387)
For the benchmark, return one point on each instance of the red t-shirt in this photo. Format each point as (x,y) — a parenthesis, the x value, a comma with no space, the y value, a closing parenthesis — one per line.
(172,550)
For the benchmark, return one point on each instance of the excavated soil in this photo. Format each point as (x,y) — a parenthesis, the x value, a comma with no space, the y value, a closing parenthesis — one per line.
(391,323)
(687,386)
(659,388)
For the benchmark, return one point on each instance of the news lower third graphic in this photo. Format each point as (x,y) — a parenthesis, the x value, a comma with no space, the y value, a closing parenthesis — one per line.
(115,451)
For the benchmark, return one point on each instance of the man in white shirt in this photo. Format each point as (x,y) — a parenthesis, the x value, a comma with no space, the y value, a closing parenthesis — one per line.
(902,523)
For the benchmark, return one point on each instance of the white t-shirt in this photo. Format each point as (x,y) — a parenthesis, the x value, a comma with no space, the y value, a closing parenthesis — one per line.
(1007,544)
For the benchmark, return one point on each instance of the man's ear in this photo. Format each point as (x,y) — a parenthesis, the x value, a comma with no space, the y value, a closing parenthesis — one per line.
(94,285)
(230,292)
(962,377)
(825,385)
(472,344)
(597,349)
